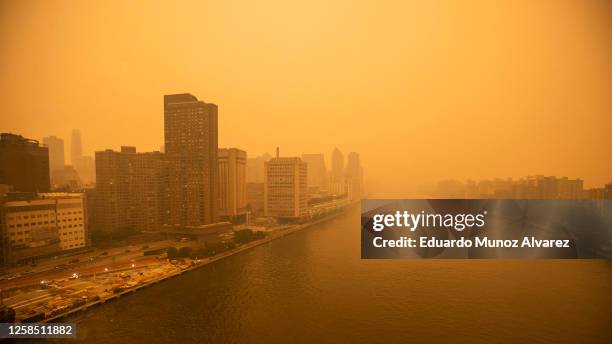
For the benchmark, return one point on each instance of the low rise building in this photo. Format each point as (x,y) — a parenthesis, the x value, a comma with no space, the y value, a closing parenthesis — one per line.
(40,225)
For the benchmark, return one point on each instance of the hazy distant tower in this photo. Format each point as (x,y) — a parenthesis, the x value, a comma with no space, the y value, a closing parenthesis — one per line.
(337,164)
(317,174)
(354,176)
(56,152)
(190,135)
(76,148)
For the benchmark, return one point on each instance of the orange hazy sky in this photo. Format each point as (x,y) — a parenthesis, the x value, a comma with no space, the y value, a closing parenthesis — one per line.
(424,90)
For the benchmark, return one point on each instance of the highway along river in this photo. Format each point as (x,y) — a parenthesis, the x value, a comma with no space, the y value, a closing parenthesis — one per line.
(312,286)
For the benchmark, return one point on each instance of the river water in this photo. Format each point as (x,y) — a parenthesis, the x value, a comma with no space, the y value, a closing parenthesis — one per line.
(312,286)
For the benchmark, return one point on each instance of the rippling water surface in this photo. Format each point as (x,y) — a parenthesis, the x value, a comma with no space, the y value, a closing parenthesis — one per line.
(313,287)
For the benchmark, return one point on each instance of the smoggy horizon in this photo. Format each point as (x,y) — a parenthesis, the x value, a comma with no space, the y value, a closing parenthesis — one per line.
(423,91)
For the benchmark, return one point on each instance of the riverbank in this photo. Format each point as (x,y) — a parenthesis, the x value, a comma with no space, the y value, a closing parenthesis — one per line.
(166,270)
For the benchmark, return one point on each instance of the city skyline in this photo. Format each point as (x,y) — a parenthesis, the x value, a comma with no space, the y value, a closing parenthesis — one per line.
(509,95)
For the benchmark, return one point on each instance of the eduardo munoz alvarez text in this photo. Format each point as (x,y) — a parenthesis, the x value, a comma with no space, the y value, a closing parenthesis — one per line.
(458,222)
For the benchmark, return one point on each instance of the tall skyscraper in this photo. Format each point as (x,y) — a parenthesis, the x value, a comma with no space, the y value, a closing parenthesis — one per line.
(24,164)
(317,173)
(84,165)
(130,190)
(337,165)
(337,182)
(76,148)
(285,188)
(232,183)
(190,133)
(56,153)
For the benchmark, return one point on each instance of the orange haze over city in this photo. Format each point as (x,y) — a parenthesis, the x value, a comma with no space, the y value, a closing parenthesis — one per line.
(423,91)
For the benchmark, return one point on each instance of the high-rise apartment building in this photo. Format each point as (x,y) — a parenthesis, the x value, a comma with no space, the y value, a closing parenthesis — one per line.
(56,153)
(191,143)
(317,173)
(285,188)
(40,225)
(24,164)
(130,191)
(232,182)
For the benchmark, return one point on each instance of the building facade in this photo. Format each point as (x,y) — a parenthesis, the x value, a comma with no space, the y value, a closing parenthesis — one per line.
(285,188)
(191,143)
(40,225)
(24,164)
(130,191)
(76,148)
(232,183)
(255,195)
(56,153)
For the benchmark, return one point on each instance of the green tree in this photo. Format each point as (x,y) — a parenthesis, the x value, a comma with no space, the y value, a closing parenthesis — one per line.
(172,252)
(185,251)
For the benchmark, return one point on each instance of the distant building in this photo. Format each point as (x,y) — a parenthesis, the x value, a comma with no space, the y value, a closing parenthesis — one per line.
(255,168)
(56,153)
(608,191)
(191,143)
(84,165)
(569,188)
(598,193)
(531,187)
(41,225)
(354,176)
(337,181)
(76,148)
(130,191)
(66,179)
(255,198)
(337,171)
(232,183)
(285,188)
(594,193)
(317,173)
(338,187)
(24,164)
(86,169)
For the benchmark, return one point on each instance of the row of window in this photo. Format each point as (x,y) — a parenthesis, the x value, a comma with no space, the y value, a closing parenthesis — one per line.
(25,217)
(28,232)
(52,222)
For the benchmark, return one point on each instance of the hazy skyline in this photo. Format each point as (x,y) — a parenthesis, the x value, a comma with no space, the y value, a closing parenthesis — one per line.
(423,91)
